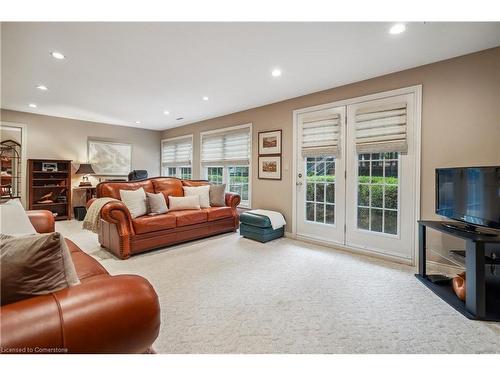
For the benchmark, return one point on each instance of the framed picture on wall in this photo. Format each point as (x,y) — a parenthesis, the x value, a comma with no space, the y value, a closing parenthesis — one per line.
(110,158)
(270,167)
(270,142)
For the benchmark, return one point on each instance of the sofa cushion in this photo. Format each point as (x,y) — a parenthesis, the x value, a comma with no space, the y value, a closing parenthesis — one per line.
(34,264)
(15,221)
(136,202)
(202,191)
(184,203)
(111,189)
(168,186)
(195,182)
(146,224)
(157,203)
(85,265)
(190,217)
(217,195)
(216,213)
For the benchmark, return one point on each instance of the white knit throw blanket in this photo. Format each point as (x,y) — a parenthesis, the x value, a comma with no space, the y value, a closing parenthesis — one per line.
(92,219)
(276,218)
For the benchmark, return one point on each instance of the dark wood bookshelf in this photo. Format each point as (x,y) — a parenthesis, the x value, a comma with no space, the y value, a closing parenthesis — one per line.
(56,182)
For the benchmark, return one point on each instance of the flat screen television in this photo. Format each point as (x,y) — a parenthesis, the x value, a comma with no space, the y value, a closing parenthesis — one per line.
(470,194)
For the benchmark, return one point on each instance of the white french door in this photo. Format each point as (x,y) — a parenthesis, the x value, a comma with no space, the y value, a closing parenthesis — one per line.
(360,198)
(321,190)
(380,190)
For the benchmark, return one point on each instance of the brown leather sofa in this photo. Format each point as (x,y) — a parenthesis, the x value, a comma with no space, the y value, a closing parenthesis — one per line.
(125,236)
(103,314)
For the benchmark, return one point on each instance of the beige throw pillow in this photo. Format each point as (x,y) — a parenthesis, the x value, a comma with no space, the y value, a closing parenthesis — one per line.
(184,203)
(13,219)
(218,195)
(135,200)
(34,265)
(202,191)
(156,204)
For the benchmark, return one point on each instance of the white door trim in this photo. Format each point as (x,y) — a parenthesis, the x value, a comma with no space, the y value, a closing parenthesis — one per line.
(417,91)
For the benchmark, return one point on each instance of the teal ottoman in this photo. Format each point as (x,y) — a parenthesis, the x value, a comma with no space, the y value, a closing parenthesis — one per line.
(258,227)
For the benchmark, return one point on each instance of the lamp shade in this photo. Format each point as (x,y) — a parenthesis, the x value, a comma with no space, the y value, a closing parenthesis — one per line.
(85,168)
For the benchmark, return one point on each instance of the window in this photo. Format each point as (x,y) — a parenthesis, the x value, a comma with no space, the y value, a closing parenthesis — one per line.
(179,172)
(176,155)
(238,181)
(225,159)
(215,174)
(320,193)
(378,186)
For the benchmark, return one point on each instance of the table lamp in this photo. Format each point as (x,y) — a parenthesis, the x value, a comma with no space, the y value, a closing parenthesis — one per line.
(85,169)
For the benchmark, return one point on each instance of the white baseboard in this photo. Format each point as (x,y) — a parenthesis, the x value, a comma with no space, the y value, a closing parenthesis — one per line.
(432,266)
(349,249)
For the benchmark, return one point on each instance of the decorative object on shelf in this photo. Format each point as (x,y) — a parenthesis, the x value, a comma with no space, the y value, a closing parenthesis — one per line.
(48,189)
(459,286)
(49,167)
(110,158)
(85,169)
(45,198)
(270,142)
(270,167)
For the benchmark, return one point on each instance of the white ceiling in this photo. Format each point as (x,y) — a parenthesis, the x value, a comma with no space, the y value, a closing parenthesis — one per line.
(120,73)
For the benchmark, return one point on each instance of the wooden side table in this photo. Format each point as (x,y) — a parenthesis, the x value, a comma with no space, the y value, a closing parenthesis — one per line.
(90,192)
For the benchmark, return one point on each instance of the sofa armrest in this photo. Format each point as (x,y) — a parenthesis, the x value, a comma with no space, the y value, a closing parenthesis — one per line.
(42,220)
(232,200)
(108,314)
(116,212)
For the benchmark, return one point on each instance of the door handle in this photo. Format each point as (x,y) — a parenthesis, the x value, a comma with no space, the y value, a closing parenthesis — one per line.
(298,183)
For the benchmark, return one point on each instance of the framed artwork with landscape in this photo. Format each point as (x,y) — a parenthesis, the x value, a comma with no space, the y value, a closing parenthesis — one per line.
(270,142)
(270,167)
(110,158)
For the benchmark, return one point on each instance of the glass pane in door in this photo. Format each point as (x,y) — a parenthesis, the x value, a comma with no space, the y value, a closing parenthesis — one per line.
(378,186)
(320,189)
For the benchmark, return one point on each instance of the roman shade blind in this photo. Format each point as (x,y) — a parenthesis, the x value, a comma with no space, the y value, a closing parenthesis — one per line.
(320,133)
(382,128)
(230,147)
(176,152)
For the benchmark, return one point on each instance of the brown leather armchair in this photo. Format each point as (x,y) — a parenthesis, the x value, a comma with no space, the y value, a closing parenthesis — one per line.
(103,314)
(124,236)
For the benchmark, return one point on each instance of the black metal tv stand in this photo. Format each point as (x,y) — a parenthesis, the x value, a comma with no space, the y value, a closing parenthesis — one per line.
(483,292)
(469,229)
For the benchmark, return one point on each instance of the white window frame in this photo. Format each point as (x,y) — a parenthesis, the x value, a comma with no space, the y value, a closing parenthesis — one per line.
(225,168)
(178,167)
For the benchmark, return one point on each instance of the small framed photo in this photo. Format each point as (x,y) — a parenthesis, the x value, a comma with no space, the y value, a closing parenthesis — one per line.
(270,142)
(49,167)
(270,167)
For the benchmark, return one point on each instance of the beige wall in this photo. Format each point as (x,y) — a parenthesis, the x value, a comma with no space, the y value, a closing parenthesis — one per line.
(61,138)
(460,123)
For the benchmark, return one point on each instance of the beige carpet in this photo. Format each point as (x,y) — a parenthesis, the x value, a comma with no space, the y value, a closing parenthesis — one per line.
(227,294)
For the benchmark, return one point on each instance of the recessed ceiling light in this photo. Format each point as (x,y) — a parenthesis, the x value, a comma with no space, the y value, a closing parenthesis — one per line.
(32,105)
(42,87)
(205,98)
(397,28)
(137,122)
(166,112)
(57,55)
(276,72)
